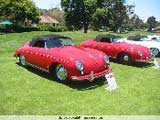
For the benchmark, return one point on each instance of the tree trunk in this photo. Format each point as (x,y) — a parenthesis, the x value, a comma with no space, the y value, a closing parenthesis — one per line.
(150,28)
(85,26)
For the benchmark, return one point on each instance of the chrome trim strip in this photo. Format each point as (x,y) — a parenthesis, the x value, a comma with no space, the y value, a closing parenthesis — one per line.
(39,68)
(77,78)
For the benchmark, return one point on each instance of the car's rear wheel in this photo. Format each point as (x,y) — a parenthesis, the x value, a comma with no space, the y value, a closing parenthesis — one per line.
(124,58)
(154,51)
(22,60)
(59,73)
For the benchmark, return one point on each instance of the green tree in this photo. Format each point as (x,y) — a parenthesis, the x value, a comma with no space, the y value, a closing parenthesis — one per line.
(110,13)
(100,19)
(78,13)
(136,23)
(72,18)
(18,10)
(151,21)
(98,13)
(118,13)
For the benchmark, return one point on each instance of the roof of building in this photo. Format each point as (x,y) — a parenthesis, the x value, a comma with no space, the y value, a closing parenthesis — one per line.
(48,19)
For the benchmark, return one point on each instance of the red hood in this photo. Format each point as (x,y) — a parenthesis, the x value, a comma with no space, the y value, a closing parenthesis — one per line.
(122,45)
(128,45)
(78,53)
(86,55)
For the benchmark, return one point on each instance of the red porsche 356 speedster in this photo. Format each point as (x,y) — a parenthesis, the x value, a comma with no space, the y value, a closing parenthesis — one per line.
(123,52)
(59,56)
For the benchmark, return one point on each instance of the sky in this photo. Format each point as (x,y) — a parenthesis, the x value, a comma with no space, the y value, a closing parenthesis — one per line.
(146,8)
(47,4)
(143,8)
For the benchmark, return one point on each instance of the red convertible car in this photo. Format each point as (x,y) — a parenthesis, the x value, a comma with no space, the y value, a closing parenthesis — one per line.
(123,52)
(59,56)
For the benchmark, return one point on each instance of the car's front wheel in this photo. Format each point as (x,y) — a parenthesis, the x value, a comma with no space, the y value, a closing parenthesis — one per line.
(124,58)
(22,60)
(59,73)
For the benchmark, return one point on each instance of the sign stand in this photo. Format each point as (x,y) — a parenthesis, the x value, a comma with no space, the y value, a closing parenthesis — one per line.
(111,82)
(156,65)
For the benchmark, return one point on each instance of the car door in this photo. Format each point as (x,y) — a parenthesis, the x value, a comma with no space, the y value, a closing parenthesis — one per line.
(38,54)
(106,45)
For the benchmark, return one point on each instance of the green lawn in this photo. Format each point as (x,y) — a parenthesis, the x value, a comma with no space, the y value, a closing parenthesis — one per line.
(26,91)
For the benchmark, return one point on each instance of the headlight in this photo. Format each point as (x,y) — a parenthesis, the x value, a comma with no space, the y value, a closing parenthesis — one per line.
(79,65)
(106,59)
(140,53)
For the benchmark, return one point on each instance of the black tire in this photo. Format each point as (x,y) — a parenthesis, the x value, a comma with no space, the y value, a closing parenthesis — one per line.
(59,73)
(154,51)
(22,60)
(125,58)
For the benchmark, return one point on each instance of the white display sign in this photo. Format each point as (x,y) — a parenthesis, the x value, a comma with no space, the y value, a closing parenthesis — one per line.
(111,82)
(156,65)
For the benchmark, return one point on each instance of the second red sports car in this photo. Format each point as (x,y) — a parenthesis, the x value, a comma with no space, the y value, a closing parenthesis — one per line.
(59,56)
(123,52)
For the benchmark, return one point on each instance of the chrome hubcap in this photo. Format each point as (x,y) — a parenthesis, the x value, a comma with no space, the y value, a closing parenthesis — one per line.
(22,60)
(125,58)
(154,51)
(61,72)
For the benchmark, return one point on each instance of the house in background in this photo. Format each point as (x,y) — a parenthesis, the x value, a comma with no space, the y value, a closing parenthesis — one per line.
(48,20)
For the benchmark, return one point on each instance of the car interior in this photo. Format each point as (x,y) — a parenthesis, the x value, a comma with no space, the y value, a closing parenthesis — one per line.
(40,44)
(105,39)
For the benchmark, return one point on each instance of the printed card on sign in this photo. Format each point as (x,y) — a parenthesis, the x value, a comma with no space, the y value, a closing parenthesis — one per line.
(156,64)
(111,82)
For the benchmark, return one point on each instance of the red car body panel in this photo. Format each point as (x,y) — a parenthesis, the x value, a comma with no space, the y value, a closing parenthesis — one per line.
(67,56)
(116,48)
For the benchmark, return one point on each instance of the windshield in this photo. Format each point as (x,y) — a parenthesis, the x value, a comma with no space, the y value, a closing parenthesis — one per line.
(117,39)
(59,42)
(157,40)
(145,39)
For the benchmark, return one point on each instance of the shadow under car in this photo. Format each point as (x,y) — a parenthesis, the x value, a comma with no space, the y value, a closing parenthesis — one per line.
(79,85)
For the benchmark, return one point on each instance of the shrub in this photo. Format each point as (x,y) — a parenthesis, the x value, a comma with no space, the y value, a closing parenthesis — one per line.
(25,29)
(58,29)
(45,27)
(40,27)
